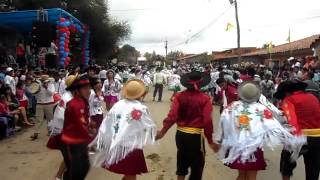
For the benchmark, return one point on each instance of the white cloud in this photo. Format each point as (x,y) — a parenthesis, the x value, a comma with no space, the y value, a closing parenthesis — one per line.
(261,21)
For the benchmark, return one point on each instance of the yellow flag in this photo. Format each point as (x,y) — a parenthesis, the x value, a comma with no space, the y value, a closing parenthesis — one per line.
(289,37)
(270,46)
(229,27)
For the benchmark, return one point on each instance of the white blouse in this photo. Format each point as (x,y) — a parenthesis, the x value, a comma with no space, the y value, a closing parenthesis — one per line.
(95,104)
(111,89)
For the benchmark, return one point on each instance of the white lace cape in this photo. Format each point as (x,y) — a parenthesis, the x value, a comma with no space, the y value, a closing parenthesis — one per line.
(240,144)
(56,124)
(120,134)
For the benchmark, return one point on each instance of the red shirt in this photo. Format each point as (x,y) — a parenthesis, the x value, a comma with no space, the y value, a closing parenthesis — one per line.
(231,93)
(246,77)
(4,109)
(302,110)
(76,122)
(191,109)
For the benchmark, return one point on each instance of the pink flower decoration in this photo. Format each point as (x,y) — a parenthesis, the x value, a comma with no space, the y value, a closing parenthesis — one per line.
(136,114)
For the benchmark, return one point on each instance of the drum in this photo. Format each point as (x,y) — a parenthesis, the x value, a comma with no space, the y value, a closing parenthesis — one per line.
(34,87)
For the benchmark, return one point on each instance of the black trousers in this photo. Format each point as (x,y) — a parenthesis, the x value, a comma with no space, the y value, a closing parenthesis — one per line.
(158,88)
(76,159)
(190,154)
(311,156)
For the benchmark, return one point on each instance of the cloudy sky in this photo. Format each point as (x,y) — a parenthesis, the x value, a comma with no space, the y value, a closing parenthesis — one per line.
(196,26)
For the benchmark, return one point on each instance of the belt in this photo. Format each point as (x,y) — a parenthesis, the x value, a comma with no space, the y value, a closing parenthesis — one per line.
(311,132)
(190,130)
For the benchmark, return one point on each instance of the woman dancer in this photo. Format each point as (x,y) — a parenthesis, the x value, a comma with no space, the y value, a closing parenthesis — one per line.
(96,104)
(245,127)
(127,128)
(111,89)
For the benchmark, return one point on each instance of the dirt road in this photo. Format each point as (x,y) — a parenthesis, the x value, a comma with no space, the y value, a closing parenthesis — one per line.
(22,159)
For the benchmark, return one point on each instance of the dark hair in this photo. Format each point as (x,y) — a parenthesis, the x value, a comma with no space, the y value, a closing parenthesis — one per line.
(94,81)
(220,80)
(19,84)
(251,72)
(4,89)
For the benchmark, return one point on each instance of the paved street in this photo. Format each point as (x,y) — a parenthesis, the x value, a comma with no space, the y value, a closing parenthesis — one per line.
(22,159)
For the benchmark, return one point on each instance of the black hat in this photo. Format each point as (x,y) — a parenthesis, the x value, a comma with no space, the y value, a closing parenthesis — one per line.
(289,86)
(195,80)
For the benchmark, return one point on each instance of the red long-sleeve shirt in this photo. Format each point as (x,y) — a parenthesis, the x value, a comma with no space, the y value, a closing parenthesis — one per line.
(76,122)
(302,110)
(191,109)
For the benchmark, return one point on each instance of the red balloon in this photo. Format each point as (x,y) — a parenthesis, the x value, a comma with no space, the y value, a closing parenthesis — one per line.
(67,50)
(62,19)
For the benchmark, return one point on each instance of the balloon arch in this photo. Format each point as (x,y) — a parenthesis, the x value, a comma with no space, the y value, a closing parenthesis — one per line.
(65,23)
(64,28)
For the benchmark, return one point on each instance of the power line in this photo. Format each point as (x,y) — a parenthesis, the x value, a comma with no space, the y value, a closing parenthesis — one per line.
(196,35)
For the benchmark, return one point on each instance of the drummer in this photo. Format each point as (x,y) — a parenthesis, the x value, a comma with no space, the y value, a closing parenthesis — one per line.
(45,103)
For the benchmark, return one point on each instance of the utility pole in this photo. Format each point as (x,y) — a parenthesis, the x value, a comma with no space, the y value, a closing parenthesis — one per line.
(166,47)
(238,26)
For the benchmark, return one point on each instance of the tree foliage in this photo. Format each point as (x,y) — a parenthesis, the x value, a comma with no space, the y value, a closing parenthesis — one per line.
(173,55)
(128,53)
(105,32)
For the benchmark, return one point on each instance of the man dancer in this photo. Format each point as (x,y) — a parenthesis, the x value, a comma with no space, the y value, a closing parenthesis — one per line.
(191,110)
(75,134)
(159,80)
(303,113)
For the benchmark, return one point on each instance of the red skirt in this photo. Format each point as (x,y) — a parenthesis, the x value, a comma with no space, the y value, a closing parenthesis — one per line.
(24,103)
(133,164)
(257,165)
(97,119)
(54,142)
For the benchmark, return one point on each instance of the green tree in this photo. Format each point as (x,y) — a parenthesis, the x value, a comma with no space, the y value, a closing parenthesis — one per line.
(128,53)
(173,55)
(105,32)
(148,56)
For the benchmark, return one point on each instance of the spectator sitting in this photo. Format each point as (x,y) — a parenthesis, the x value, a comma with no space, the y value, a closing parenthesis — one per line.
(14,105)
(7,123)
(21,96)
